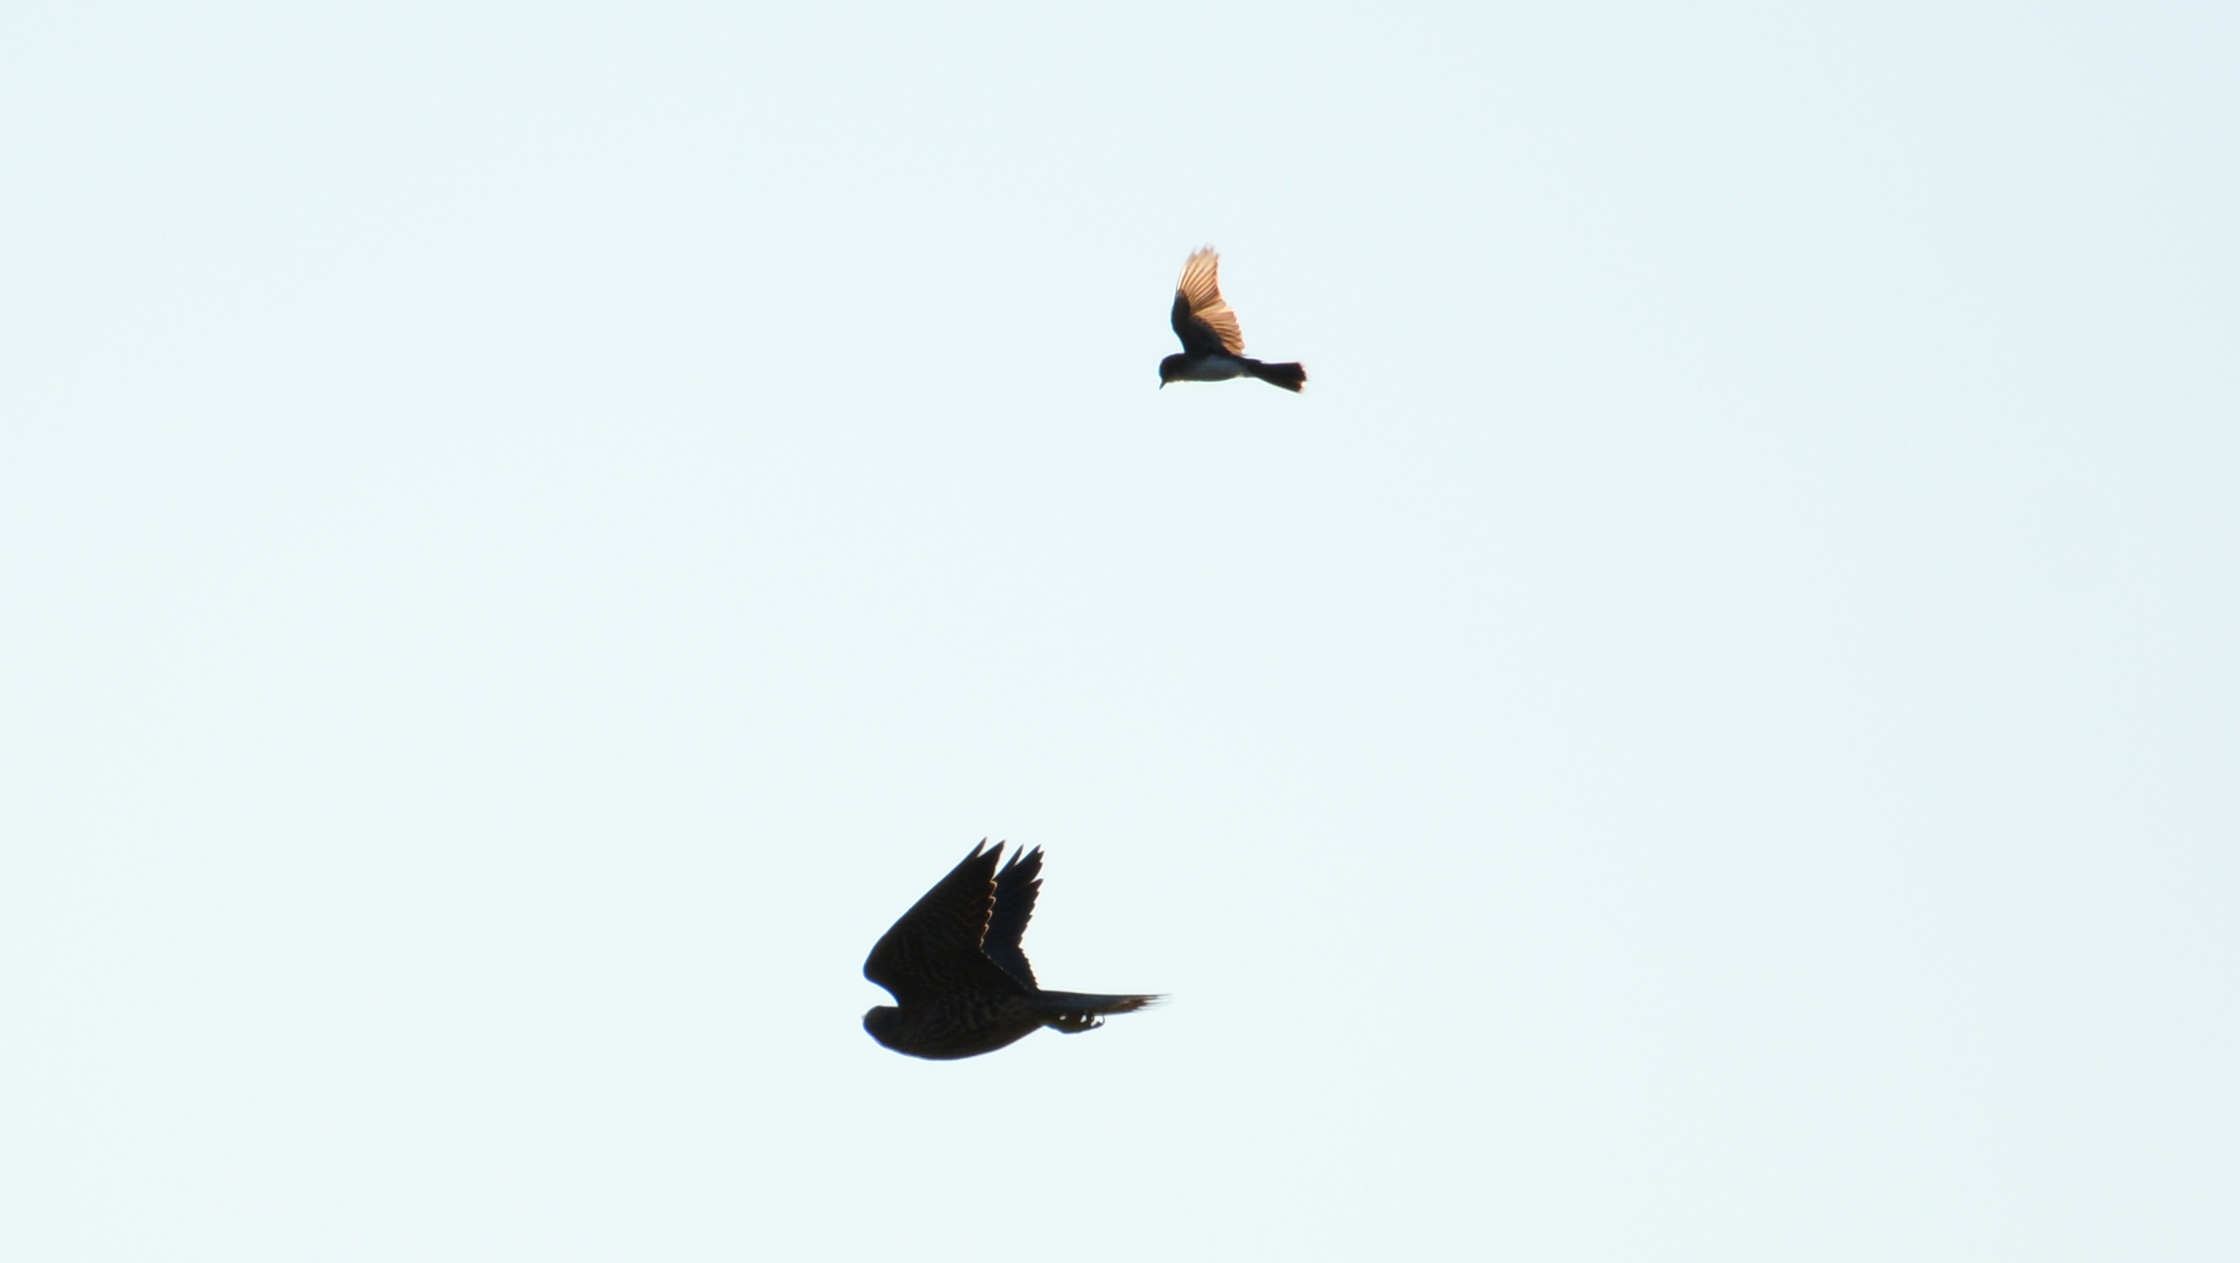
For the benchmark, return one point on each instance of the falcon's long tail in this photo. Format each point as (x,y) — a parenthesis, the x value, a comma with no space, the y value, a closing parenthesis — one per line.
(1288,376)
(1075,1011)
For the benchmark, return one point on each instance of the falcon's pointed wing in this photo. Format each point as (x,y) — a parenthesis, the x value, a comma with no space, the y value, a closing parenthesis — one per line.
(1204,322)
(935,947)
(1016,888)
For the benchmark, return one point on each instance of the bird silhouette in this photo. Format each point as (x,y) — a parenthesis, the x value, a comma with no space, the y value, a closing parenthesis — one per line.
(961,983)
(1212,345)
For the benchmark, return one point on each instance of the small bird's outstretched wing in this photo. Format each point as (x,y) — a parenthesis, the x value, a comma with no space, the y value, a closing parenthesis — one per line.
(1016,888)
(1204,322)
(935,948)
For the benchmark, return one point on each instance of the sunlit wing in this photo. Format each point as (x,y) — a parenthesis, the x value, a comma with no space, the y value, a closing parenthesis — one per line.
(1201,319)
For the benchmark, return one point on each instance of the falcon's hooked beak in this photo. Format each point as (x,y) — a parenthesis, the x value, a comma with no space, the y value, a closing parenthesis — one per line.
(880,1020)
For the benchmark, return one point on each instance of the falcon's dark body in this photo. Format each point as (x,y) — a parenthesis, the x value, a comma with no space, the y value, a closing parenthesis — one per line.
(962,983)
(1212,345)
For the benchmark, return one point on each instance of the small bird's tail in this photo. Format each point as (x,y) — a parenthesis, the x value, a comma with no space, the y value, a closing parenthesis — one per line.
(1074,1011)
(1288,376)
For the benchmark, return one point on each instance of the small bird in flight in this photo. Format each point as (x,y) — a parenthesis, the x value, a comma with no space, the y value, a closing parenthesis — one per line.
(1212,345)
(956,970)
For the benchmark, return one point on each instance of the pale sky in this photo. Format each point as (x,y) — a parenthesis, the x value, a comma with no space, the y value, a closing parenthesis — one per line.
(1708,732)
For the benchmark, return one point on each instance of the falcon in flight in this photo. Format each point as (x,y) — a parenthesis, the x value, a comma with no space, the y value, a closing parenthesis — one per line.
(961,983)
(1212,345)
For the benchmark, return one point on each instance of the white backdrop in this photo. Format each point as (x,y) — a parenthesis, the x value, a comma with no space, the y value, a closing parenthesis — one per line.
(1708,732)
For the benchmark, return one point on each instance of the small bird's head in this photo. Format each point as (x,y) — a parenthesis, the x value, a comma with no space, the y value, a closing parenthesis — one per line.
(882,1020)
(1170,369)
